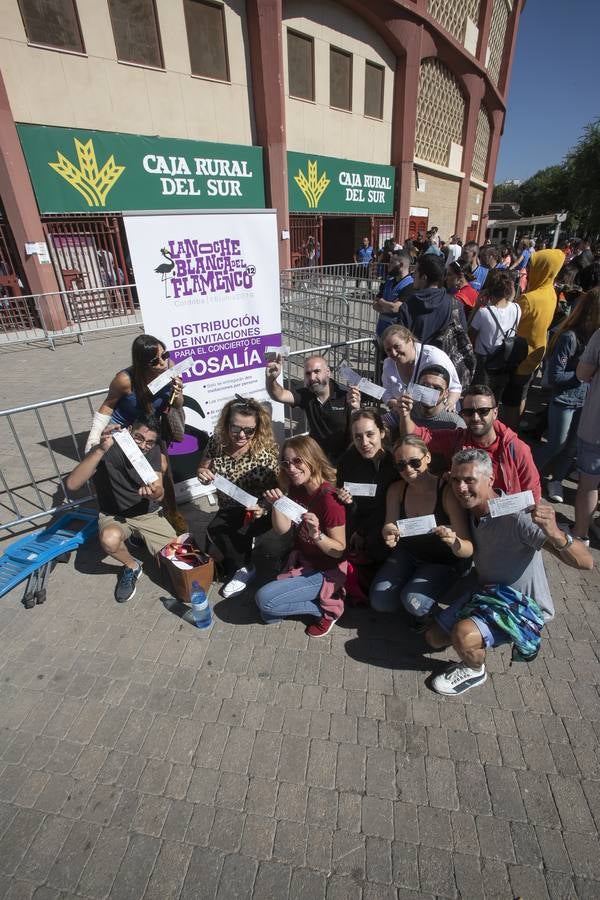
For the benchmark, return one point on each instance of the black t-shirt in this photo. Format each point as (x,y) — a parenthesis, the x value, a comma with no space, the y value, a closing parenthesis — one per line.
(117,484)
(367,514)
(328,423)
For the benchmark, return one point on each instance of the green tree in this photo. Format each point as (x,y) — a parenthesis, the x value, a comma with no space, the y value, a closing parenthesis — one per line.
(546,192)
(506,192)
(582,164)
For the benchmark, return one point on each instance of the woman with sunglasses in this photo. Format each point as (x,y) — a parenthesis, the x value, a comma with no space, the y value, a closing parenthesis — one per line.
(421,567)
(243,450)
(315,576)
(128,396)
(366,464)
(406,358)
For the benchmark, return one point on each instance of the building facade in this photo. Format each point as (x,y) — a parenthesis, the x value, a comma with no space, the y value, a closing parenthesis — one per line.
(350,118)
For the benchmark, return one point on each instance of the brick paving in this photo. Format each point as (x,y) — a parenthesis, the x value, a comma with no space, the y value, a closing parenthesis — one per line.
(140,757)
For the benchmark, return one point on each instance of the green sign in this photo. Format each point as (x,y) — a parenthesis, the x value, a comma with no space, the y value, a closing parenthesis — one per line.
(75,170)
(324,184)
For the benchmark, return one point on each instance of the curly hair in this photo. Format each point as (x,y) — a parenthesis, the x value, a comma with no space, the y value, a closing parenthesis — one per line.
(262,439)
(312,456)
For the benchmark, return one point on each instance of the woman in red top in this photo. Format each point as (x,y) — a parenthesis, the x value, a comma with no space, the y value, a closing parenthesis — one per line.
(316,573)
(458,277)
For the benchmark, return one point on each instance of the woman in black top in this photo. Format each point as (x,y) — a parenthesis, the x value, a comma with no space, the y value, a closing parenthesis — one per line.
(421,567)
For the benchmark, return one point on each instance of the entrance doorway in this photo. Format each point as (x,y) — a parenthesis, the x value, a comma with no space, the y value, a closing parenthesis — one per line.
(339,239)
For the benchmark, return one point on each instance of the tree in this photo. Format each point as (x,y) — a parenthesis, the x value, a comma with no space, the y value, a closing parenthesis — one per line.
(545,192)
(583,165)
(506,192)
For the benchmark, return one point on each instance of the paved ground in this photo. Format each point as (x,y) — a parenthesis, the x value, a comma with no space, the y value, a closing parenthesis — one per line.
(142,758)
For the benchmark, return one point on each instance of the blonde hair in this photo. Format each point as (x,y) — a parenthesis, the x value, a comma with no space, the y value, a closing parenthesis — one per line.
(313,458)
(403,333)
(262,439)
(411,440)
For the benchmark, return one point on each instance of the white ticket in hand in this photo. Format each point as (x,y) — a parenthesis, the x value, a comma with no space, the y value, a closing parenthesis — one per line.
(168,375)
(236,493)
(135,457)
(271,353)
(360,490)
(371,389)
(290,508)
(511,503)
(415,525)
(425,395)
(348,376)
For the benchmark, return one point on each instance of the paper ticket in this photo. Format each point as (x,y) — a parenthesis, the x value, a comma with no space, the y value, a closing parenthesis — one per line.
(290,508)
(415,525)
(511,503)
(348,376)
(360,490)
(191,488)
(425,395)
(371,389)
(135,456)
(168,375)
(271,353)
(236,493)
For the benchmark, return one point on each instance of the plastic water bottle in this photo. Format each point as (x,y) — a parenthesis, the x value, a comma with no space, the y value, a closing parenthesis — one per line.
(200,607)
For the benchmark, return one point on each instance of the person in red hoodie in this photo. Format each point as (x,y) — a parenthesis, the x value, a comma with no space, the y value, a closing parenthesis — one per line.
(514,469)
(458,283)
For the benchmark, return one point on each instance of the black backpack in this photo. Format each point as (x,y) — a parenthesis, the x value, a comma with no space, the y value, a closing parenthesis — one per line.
(455,343)
(510,353)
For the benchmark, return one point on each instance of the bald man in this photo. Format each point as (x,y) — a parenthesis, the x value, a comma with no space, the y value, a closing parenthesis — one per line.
(323,401)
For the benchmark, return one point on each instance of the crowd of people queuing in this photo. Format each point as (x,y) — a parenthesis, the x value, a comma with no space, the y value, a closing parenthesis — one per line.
(398,506)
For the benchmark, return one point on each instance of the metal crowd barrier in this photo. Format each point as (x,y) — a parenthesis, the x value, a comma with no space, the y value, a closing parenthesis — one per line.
(42,442)
(23,319)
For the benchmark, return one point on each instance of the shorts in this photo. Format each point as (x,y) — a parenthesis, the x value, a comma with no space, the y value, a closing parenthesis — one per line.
(154,529)
(516,388)
(588,458)
(491,634)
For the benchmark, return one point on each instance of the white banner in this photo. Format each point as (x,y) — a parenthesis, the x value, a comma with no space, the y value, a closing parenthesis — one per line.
(208,285)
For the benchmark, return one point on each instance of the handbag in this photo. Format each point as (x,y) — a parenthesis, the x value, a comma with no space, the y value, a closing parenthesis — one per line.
(184,563)
(510,353)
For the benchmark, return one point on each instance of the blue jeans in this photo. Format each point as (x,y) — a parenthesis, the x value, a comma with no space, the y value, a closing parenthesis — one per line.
(290,597)
(405,581)
(561,448)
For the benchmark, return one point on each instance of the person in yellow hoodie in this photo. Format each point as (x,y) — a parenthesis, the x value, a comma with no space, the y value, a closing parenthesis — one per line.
(538,305)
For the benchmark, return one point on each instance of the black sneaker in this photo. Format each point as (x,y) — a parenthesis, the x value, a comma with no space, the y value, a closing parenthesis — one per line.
(126,583)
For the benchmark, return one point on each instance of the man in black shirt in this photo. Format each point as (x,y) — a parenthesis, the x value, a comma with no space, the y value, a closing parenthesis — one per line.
(323,401)
(127,505)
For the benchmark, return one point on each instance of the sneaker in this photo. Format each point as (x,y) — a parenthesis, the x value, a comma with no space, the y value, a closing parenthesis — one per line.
(239,582)
(320,628)
(554,490)
(458,679)
(126,583)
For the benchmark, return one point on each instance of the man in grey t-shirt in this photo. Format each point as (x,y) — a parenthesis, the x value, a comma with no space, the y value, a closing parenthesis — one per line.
(507,552)
(588,440)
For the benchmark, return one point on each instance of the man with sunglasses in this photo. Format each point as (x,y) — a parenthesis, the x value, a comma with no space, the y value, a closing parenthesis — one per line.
(127,505)
(325,403)
(514,469)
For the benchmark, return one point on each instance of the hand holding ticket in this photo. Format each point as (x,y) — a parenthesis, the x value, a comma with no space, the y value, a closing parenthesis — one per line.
(360,490)
(168,375)
(425,395)
(135,456)
(290,508)
(510,503)
(415,525)
(236,493)
(353,379)
(271,353)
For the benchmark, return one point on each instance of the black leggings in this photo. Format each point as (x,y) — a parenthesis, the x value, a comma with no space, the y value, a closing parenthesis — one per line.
(234,540)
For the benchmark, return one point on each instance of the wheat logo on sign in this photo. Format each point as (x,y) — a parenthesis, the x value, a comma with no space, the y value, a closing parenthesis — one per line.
(312,187)
(92,183)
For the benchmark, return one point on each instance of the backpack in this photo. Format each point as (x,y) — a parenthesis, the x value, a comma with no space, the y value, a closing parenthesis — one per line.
(455,344)
(510,353)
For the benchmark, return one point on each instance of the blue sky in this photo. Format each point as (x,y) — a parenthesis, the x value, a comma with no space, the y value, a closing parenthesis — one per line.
(553,88)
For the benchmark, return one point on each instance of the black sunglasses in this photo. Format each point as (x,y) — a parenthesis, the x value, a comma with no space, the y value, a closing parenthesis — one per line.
(247,431)
(482,411)
(161,356)
(414,462)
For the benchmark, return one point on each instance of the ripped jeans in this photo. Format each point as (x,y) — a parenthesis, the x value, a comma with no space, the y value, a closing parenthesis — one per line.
(408,582)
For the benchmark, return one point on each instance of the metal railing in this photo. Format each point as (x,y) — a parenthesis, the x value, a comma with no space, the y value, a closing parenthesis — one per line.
(24,319)
(328,304)
(42,442)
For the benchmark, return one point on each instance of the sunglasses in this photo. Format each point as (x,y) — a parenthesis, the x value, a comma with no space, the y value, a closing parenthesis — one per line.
(296,462)
(481,411)
(247,430)
(414,462)
(157,359)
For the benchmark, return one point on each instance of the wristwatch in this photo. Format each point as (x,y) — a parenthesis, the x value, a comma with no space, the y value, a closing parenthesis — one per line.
(569,538)
(319,537)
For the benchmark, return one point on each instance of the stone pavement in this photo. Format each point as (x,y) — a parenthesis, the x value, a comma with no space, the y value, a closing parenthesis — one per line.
(140,757)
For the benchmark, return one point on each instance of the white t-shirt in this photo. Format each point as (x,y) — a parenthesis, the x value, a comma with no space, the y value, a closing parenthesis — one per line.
(426,356)
(489,335)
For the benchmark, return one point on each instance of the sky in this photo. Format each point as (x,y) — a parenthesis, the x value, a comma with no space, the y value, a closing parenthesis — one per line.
(553,89)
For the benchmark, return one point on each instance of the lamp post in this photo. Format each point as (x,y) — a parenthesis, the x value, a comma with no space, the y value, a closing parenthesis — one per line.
(560,218)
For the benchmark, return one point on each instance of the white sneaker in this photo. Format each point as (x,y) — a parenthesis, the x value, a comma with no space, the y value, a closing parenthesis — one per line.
(458,679)
(554,490)
(239,582)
